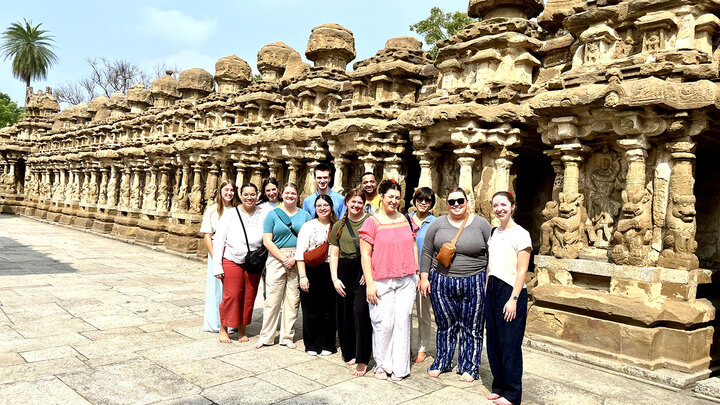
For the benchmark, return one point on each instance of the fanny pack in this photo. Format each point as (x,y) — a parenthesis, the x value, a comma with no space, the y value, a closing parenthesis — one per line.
(316,257)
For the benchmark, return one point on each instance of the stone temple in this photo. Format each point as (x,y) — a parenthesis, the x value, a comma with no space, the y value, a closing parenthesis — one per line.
(597,114)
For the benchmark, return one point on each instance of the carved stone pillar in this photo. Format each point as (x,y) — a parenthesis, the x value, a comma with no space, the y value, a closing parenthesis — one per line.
(112,188)
(76,186)
(309,179)
(293,167)
(182,194)
(163,188)
(391,169)
(211,185)
(425,158)
(633,235)
(85,186)
(465,178)
(340,168)
(256,172)
(125,188)
(239,173)
(196,191)
(563,233)
(224,170)
(275,169)
(369,163)
(103,191)
(503,164)
(92,194)
(150,199)
(60,195)
(680,224)
(135,189)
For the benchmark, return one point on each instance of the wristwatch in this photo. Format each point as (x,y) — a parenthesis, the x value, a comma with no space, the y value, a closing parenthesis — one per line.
(514,297)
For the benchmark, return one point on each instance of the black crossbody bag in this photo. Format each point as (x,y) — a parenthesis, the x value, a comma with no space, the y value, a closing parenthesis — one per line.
(254,260)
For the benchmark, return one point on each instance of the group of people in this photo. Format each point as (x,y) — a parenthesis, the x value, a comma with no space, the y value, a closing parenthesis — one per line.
(356,266)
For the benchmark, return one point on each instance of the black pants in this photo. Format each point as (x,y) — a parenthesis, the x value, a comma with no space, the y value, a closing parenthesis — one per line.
(318,306)
(504,339)
(353,314)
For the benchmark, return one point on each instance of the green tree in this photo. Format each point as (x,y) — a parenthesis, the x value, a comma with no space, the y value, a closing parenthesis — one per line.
(10,113)
(440,25)
(30,49)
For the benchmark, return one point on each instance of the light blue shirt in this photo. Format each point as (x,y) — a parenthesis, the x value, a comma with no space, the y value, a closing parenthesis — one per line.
(337,199)
(420,238)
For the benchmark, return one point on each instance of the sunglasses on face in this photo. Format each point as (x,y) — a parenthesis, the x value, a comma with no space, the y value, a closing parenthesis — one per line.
(423,200)
(458,201)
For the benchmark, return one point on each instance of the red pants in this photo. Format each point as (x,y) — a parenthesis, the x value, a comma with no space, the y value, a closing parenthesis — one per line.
(239,291)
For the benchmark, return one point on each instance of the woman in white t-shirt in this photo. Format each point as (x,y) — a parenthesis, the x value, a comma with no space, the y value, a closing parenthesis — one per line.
(506,297)
(226,198)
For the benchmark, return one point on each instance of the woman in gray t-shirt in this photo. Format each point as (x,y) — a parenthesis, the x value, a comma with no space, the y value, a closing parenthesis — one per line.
(457,292)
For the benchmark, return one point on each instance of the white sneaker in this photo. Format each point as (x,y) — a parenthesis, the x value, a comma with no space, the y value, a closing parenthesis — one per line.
(311,353)
(325,353)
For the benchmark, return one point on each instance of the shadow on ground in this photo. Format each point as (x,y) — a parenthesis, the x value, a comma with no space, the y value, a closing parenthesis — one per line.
(17,259)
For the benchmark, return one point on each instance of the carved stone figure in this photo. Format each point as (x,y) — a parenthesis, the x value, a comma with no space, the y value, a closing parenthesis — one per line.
(569,226)
(603,181)
(679,242)
(550,212)
(592,52)
(196,199)
(652,43)
(634,231)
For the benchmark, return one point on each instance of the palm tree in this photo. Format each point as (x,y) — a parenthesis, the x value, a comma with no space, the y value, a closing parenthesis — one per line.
(31,50)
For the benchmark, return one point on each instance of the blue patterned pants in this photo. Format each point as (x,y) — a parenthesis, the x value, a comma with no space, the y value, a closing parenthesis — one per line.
(458,305)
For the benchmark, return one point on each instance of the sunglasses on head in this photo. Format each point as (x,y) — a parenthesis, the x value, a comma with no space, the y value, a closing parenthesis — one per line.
(457,201)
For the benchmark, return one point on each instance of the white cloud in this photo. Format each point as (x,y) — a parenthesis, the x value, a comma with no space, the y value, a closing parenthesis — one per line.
(174,25)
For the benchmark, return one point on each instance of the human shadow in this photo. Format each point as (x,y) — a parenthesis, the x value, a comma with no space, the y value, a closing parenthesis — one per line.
(17,259)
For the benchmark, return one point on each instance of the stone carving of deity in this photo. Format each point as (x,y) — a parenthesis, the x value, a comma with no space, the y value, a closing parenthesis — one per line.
(604,168)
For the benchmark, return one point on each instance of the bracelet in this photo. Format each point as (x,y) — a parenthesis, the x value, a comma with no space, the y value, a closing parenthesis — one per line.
(335,279)
(302,277)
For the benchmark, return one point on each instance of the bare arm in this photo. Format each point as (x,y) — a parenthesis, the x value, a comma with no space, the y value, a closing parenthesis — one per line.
(334,260)
(366,261)
(271,247)
(510,309)
(304,282)
(208,243)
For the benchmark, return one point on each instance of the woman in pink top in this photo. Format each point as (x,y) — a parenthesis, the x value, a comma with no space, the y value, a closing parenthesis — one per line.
(389,263)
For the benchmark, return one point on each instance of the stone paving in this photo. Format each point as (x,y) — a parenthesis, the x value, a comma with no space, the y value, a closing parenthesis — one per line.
(87,319)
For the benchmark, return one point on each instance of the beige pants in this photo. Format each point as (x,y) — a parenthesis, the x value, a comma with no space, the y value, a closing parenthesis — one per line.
(282,290)
(422,304)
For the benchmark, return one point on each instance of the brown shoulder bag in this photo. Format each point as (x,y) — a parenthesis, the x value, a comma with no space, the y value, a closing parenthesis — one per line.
(316,257)
(447,252)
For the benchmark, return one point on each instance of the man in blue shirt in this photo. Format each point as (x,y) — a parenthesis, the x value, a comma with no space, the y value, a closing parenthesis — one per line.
(322,183)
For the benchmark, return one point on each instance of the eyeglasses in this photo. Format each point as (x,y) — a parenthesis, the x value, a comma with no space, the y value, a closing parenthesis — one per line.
(423,200)
(458,201)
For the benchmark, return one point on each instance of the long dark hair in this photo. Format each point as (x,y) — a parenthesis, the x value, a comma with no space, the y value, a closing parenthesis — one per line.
(270,180)
(327,199)
(349,196)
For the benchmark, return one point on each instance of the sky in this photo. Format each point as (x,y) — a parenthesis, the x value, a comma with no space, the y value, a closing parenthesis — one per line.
(191,34)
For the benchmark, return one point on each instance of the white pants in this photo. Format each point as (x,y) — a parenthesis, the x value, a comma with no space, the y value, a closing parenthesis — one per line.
(422,304)
(282,290)
(391,324)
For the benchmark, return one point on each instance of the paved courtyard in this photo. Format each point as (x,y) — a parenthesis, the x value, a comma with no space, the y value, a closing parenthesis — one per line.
(87,319)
